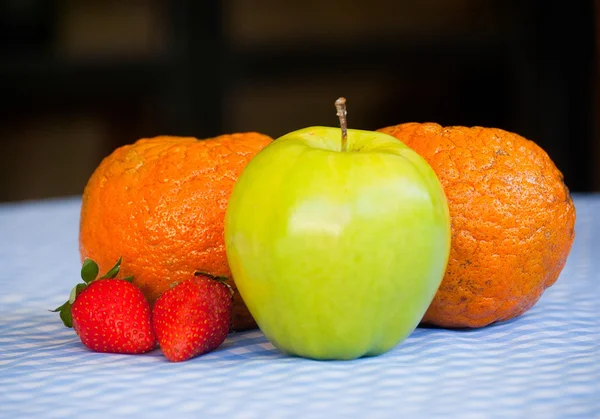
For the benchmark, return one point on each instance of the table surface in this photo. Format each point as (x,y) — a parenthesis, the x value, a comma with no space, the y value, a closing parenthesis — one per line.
(545,364)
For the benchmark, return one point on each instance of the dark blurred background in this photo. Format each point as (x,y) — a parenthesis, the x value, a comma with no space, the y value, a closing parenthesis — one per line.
(79,78)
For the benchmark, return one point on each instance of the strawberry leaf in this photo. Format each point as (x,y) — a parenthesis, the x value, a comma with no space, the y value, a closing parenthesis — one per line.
(113,271)
(211,276)
(65,309)
(89,270)
(75,292)
(57,309)
(128,278)
(65,314)
(222,279)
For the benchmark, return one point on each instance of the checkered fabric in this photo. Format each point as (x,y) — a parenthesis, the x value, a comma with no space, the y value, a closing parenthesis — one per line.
(545,364)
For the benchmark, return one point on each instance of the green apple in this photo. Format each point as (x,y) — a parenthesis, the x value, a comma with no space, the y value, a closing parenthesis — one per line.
(336,252)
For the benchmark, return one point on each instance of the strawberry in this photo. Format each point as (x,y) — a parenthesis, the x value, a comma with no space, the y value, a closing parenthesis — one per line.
(193,317)
(109,314)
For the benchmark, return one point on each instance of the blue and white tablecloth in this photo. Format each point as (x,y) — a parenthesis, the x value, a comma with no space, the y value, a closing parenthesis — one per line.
(545,364)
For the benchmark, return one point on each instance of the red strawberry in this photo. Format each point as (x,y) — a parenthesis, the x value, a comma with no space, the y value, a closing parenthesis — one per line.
(108,314)
(193,317)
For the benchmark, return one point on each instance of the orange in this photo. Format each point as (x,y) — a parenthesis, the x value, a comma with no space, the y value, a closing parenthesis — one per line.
(160,203)
(512,221)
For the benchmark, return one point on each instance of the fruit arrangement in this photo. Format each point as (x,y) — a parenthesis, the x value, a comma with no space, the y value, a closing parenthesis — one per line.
(337,243)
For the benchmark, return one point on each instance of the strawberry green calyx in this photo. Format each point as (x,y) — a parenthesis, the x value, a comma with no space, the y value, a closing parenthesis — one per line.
(89,273)
(89,270)
(211,276)
(222,279)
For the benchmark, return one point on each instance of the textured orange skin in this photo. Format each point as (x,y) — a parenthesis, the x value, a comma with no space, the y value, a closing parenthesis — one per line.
(513,221)
(160,204)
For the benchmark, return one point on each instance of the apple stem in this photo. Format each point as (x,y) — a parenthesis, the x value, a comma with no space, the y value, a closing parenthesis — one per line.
(340,106)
